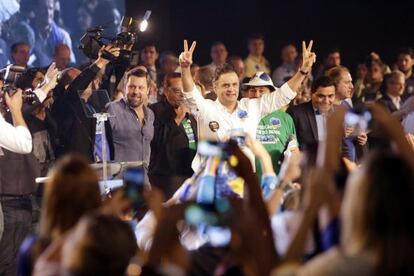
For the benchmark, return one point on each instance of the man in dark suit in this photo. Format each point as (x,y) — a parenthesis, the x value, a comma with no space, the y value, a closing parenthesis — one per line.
(310,117)
(354,144)
(395,84)
(77,132)
(175,135)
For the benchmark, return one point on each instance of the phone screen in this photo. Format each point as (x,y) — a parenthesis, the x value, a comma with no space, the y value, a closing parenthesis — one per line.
(134,181)
(211,220)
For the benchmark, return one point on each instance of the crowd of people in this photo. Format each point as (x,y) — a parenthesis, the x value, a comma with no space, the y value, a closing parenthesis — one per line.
(301,171)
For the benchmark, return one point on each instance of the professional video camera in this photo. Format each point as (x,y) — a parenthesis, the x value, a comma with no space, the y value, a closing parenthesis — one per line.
(8,76)
(94,39)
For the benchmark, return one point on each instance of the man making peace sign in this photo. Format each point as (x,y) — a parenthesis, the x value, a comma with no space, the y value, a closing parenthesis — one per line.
(217,119)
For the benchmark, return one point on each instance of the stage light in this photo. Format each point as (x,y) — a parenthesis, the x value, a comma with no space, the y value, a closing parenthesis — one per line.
(144,23)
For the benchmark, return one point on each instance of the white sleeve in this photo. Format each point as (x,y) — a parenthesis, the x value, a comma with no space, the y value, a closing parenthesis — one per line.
(41,95)
(144,231)
(196,103)
(276,100)
(68,41)
(16,139)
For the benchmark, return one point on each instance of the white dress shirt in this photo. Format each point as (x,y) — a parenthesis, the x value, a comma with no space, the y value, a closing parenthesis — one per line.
(16,139)
(246,117)
(321,126)
(396,101)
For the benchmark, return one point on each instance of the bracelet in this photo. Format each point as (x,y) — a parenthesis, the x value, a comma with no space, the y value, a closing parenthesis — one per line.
(303,73)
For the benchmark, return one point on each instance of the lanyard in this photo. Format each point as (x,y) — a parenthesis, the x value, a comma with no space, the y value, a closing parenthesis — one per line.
(190,133)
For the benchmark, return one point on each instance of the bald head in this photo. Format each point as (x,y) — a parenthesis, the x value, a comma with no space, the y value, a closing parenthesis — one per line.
(62,56)
(68,75)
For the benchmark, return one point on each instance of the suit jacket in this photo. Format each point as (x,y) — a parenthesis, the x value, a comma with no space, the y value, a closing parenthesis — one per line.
(388,104)
(170,152)
(303,116)
(351,149)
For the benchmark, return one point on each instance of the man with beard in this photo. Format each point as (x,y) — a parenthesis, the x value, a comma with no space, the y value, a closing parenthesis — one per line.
(405,64)
(132,121)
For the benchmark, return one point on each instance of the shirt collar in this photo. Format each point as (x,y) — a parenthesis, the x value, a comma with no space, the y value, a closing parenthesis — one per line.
(168,108)
(127,106)
(316,110)
(395,99)
(222,107)
(260,59)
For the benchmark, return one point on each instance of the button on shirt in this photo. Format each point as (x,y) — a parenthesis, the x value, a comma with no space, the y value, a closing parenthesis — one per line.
(131,139)
(215,122)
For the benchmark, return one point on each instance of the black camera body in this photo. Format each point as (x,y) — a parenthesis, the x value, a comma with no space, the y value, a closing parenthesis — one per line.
(94,39)
(9,76)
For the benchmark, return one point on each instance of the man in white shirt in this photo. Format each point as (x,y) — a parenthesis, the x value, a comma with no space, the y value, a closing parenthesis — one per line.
(15,138)
(217,118)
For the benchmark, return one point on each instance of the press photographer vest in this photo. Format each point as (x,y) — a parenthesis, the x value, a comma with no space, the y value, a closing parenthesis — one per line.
(18,173)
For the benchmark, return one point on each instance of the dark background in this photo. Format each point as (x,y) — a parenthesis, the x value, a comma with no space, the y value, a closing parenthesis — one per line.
(356,27)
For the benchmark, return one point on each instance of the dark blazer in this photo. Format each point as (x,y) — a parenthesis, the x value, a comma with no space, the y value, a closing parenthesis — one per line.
(303,116)
(76,131)
(170,154)
(387,103)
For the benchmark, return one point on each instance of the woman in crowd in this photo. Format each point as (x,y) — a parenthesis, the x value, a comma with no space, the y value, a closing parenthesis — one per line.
(71,192)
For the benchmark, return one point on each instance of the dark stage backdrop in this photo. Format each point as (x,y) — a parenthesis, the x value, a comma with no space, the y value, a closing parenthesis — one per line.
(356,27)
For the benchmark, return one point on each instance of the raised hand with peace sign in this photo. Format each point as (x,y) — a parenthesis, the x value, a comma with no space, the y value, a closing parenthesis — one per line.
(308,57)
(186,57)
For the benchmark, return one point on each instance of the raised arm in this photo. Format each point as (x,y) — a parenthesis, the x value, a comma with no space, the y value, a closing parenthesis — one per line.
(186,59)
(287,92)
(17,138)
(391,127)
(194,100)
(308,59)
(82,81)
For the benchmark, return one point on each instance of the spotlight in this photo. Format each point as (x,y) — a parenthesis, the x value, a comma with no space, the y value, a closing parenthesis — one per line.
(144,23)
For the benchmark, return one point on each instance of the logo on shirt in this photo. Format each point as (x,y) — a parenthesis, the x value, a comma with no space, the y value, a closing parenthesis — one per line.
(275,122)
(242,114)
(214,126)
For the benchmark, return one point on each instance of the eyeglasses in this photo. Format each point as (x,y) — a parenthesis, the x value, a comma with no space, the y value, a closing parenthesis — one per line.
(175,90)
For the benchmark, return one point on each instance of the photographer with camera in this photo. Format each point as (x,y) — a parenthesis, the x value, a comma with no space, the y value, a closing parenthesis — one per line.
(15,137)
(17,173)
(75,121)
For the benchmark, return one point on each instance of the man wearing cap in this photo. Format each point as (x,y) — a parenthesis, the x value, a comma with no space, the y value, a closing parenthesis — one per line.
(217,118)
(276,131)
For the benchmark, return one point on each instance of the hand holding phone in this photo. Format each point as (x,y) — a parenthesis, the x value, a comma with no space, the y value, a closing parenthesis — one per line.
(134,182)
